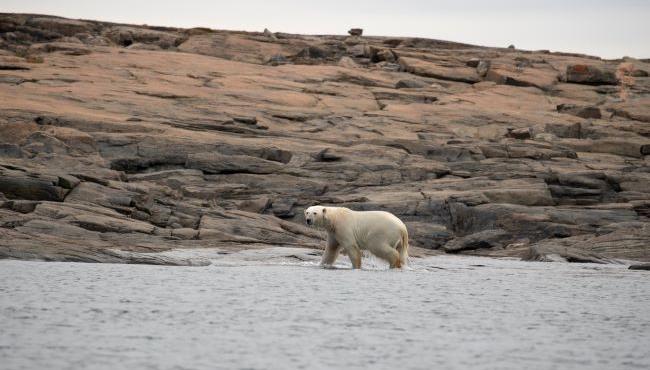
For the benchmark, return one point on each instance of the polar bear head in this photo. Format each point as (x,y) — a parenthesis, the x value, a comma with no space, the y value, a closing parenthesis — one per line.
(315,216)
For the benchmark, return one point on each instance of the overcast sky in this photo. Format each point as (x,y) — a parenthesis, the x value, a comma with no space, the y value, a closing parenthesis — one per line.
(608,28)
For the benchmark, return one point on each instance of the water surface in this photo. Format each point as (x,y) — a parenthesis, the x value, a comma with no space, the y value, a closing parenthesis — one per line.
(276,309)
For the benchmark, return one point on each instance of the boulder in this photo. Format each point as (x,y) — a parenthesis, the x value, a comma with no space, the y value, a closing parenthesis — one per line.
(312,52)
(355,31)
(11,150)
(126,36)
(22,206)
(358,50)
(283,207)
(68,181)
(484,239)
(277,60)
(483,67)
(474,62)
(269,34)
(564,130)
(520,133)
(327,155)
(30,186)
(589,75)
(410,84)
(580,111)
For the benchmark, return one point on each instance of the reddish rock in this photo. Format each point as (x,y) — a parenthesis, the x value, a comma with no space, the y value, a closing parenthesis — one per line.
(194,138)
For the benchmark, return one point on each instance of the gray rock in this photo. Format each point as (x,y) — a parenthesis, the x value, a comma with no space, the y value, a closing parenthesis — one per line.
(589,75)
(283,207)
(580,111)
(483,67)
(474,62)
(68,182)
(327,155)
(22,206)
(312,52)
(277,60)
(21,185)
(358,50)
(355,31)
(410,84)
(564,130)
(520,133)
(269,34)
(484,239)
(126,36)
(10,150)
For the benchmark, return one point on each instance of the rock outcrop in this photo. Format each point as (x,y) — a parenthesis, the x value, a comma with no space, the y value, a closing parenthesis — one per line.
(120,141)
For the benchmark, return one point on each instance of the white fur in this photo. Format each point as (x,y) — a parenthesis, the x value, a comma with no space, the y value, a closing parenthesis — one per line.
(381,233)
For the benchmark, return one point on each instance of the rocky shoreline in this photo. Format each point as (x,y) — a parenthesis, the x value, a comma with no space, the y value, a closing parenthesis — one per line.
(118,141)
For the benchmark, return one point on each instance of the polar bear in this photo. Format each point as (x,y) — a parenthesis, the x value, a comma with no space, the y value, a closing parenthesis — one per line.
(381,233)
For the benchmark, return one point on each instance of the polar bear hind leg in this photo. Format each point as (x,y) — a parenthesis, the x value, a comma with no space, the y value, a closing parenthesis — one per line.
(403,248)
(389,254)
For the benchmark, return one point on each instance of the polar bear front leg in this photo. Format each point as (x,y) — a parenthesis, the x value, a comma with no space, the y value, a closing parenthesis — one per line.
(331,251)
(355,256)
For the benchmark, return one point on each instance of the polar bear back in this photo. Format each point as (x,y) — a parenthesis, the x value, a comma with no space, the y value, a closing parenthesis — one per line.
(375,227)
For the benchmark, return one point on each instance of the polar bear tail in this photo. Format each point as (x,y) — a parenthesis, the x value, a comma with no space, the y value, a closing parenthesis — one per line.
(403,248)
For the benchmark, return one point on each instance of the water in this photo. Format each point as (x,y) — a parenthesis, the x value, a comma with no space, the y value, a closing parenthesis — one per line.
(274,309)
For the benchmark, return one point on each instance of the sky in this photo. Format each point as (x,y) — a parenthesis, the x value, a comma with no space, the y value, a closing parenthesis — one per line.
(606,28)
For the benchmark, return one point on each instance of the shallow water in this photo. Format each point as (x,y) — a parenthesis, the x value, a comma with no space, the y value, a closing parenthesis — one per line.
(275,309)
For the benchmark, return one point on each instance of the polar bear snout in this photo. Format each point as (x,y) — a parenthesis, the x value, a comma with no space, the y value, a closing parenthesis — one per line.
(314,216)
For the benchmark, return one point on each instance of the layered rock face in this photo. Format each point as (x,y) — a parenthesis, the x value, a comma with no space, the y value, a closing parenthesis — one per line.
(120,140)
